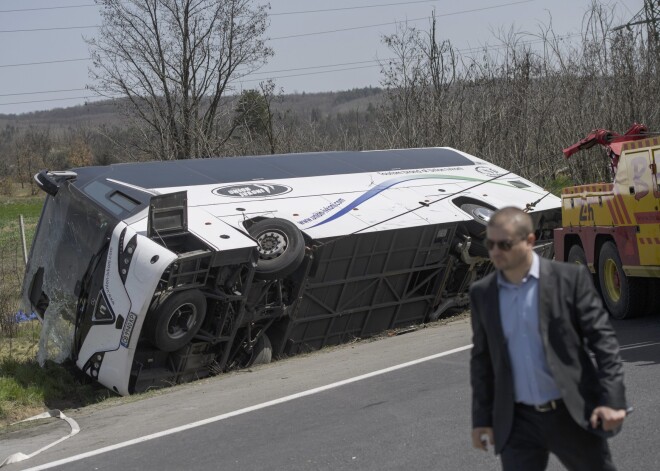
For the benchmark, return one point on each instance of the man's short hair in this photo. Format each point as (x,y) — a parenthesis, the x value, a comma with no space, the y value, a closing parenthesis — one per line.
(521,221)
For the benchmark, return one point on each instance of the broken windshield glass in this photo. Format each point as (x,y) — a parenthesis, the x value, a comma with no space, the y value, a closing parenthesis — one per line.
(70,233)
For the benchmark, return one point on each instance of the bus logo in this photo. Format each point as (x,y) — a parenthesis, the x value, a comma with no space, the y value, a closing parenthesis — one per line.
(252,190)
(488,171)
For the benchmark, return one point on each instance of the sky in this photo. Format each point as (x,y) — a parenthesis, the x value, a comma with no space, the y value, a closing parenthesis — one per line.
(319,45)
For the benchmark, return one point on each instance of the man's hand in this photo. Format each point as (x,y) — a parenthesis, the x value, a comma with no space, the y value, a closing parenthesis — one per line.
(607,417)
(481,437)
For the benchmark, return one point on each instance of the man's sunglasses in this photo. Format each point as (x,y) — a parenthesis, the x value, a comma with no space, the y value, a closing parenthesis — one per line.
(503,245)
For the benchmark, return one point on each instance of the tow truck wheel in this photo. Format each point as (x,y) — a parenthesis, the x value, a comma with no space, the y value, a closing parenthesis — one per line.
(576,255)
(622,295)
(281,247)
(177,320)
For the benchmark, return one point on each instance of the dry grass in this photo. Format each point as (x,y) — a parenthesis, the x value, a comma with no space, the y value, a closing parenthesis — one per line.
(24,343)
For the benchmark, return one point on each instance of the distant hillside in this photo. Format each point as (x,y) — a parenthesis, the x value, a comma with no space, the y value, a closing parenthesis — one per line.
(97,113)
(107,112)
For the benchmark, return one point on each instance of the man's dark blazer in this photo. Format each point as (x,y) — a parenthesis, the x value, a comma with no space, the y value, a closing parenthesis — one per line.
(572,320)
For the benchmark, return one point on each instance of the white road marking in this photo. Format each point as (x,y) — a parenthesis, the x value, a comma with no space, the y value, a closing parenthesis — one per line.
(245,410)
(75,428)
(638,345)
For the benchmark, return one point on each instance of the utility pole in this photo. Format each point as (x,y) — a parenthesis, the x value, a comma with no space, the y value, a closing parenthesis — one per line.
(649,15)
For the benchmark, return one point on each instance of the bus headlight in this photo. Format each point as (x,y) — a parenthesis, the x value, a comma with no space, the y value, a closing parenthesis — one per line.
(126,255)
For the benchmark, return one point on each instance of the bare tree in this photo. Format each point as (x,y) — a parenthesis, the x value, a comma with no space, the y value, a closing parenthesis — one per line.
(172,61)
(31,151)
(520,101)
(418,81)
(404,79)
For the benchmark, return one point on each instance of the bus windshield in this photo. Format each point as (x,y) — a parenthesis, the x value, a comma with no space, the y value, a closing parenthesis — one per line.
(71,231)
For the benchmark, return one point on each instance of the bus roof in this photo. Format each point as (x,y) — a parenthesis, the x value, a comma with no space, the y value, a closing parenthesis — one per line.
(191,172)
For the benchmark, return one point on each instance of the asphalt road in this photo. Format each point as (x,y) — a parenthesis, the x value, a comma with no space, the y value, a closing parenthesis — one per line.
(414,417)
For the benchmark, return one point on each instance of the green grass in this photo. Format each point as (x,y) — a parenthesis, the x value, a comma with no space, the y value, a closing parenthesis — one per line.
(27,388)
(11,208)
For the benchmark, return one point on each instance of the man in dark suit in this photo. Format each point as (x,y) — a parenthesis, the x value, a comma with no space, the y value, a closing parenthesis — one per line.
(535,388)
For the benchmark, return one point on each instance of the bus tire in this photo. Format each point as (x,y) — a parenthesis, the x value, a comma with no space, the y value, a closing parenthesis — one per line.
(622,295)
(177,320)
(262,352)
(281,247)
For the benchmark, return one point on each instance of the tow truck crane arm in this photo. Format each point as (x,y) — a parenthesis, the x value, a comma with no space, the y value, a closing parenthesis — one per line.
(610,140)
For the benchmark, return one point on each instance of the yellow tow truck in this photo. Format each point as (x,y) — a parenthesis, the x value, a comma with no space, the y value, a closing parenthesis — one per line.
(614,228)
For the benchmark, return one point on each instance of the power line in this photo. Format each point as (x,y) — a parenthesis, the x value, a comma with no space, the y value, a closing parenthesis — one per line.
(375,63)
(314,73)
(298,35)
(46,91)
(267,72)
(461,12)
(44,101)
(49,8)
(284,13)
(362,7)
(316,67)
(346,29)
(45,62)
(32,30)
(17,10)
(461,51)
(276,38)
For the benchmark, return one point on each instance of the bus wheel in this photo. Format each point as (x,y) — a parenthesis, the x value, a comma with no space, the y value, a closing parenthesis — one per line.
(261,354)
(177,320)
(576,255)
(622,295)
(281,247)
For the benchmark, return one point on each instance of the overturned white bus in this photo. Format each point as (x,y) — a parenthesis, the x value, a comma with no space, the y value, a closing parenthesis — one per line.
(163,272)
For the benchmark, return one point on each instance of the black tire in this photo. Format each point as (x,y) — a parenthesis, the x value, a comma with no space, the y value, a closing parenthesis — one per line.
(576,255)
(281,247)
(622,295)
(177,320)
(262,353)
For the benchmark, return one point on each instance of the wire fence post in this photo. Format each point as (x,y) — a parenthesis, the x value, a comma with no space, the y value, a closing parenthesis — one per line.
(22,224)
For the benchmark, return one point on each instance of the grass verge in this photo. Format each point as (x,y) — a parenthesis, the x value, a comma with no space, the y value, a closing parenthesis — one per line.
(27,389)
